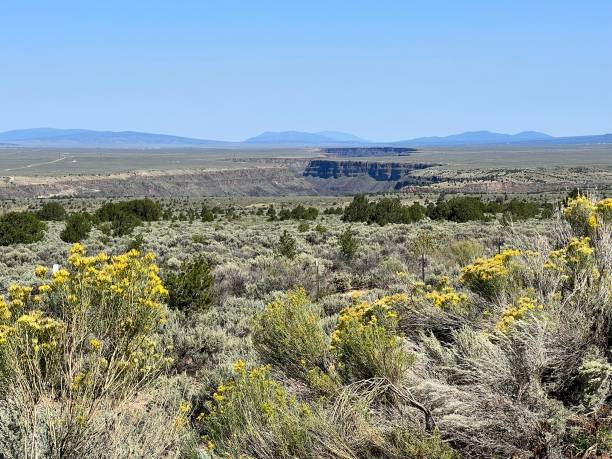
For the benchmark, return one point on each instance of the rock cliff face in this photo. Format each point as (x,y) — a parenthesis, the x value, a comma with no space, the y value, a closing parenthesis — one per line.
(281,178)
(379,171)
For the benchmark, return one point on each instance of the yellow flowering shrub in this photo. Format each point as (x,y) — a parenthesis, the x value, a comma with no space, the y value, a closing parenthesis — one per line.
(250,404)
(520,311)
(489,276)
(571,259)
(181,420)
(580,214)
(366,342)
(87,331)
(604,210)
(442,295)
(5,311)
(584,215)
(287,333)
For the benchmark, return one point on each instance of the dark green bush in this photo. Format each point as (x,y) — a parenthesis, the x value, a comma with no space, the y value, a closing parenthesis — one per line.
(287,245)
(20,228)
(144,209)
(191,289)
(206,214)
(464,209)
(386,210)
(52,211)
(136,243)
(299,213)
(124,223)
(348,244)
(78,226)
(358,210)
(271,213)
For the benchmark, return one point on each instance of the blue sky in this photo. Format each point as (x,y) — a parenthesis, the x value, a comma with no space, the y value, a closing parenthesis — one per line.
(384,70)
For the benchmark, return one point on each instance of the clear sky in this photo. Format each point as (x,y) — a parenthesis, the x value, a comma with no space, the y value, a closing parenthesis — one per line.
(383,70)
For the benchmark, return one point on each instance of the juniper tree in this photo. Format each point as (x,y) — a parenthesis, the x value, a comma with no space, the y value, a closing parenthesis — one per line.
(348,244)
(287,245)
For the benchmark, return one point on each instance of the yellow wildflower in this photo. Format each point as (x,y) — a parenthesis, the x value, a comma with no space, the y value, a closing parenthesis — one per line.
(60,276)
(518,312)
(5,312)
(239,366)
(486,275)
(41,271)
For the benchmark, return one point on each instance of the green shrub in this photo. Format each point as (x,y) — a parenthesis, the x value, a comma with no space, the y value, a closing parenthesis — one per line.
(52,211)
(198,239)
(271,213)
(303,227)
(191,289)
(206,215)
(348,244)
(465,252)
(367,344)
(358,210)
(490,276)
(386,210)
(136,243)
(299,213)
(20,228)
(127,215)
(287,246)
(105,228)
(288,334)
(460,209)
(410,443)
(78,226)
(144,209)
(252,414)
(124,223)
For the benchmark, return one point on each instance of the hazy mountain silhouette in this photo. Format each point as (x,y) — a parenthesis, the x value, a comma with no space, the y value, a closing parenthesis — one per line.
(477,138)
(304,138)
(86,138)
(49,137)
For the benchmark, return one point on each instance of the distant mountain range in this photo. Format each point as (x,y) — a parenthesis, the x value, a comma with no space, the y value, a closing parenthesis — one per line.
(305,138)
(84,138)
(48,137)
(478,138)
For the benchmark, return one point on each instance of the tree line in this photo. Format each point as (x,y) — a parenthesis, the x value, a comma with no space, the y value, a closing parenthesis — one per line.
(457,209)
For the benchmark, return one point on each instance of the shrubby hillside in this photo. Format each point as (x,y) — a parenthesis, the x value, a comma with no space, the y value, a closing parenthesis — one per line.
(379,330)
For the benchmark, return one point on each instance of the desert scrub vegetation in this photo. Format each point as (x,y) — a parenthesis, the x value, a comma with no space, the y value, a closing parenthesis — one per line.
(77,350)
(246,337)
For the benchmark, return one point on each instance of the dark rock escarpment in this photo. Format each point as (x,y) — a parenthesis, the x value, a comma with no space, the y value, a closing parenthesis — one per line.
(379,171)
